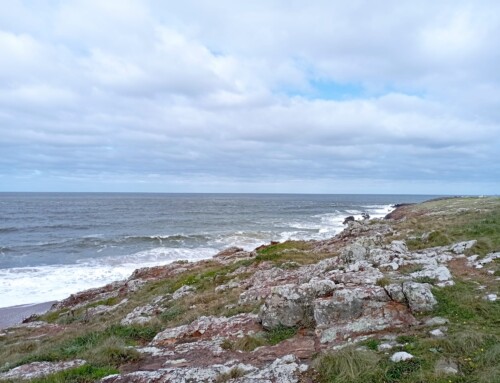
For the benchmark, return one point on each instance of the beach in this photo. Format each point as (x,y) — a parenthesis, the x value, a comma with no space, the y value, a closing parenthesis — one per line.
(13,315)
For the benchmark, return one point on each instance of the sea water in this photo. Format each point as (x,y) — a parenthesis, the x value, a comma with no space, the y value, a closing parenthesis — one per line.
(56,244)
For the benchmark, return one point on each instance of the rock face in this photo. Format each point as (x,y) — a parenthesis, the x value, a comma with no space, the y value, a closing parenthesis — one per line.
(286,369)
(39,369)
(419,296)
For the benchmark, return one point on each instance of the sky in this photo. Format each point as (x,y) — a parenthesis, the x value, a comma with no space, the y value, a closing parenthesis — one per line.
(392,97)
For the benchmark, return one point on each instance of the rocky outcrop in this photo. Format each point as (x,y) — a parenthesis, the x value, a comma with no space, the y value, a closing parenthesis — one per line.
(419,296)
(286,369)
(39,369)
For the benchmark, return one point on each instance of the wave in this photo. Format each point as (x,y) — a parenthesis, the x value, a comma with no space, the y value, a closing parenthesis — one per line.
(26,285)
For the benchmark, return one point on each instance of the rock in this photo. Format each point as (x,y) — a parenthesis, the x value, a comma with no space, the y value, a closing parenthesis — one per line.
(436,321)
(399,247)
(437,333)
(286,369)
(385,347)
(357,310)
(460,247)
(39,369)
(419,296)
(290,305)
(228,252)
(104,309)
(208,327)
(182,292)
(489,258)
(395,291)
(491,297)
(143,314)
(135,284)
(446,367)
(354,252)
(440,273)
(348,219)
(365,215)
(287,306)
(401,356)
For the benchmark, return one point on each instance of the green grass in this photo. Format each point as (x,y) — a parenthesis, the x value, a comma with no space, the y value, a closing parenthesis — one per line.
(267,338)
(461,303)
(280,333)
(481,221)
(347,366)
(108,347)
(372,343)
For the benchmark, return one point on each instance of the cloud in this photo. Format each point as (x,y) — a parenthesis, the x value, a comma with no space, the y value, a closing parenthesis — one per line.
(222,95)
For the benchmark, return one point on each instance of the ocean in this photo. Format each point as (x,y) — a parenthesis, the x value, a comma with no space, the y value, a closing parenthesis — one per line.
(56,244)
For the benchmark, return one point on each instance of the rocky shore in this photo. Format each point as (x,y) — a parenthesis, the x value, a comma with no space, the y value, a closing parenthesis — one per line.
(376,297)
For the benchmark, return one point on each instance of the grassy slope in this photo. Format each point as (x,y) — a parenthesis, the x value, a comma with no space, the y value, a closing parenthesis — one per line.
(473,331)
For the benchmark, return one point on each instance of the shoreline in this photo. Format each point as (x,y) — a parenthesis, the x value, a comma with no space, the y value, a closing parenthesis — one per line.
(14,315)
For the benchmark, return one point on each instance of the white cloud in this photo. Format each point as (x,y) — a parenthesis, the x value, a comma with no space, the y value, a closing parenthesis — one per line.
(246,91)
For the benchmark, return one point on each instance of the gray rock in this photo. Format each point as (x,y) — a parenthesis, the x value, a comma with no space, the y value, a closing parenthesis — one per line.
(401,356)
(182,292)
(354,252)
(39,369)
(419,296)
(395,291)
(287,306)
(437,333)
(491,297)
(436,321)
(399,247)
(440,273)
(290,305)
(460,247)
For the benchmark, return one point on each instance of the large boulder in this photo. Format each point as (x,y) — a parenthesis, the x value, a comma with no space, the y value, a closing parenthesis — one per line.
(291,305)
(419,296)
(358,310)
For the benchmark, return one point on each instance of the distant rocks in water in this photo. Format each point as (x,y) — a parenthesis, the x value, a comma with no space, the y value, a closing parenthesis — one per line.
(351,218)
(348,219)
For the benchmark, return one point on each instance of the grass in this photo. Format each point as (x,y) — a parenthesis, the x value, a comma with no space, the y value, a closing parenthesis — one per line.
(279,334)
(290,254)
(102,348)
(249,343)
(372,344)
(346,366)
(451,221)
(460,303)
(268,338)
